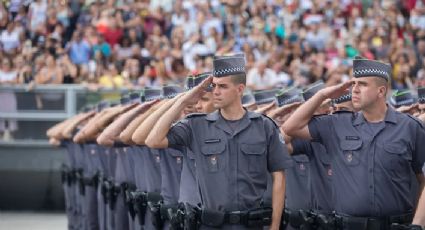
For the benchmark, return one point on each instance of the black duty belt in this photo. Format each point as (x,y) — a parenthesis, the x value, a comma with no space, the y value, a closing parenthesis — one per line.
(251,218)
(371,223)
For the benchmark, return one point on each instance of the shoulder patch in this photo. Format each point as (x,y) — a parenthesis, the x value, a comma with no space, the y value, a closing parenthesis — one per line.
(417,120)
(195,115)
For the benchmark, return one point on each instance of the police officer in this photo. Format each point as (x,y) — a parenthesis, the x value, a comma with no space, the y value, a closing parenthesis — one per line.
(374,151)
(234,151)
(311,174)
(124,174)
(61,133)
(420,213)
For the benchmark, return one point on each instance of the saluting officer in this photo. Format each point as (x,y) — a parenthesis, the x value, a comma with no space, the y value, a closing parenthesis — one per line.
(234,151)
(374,151)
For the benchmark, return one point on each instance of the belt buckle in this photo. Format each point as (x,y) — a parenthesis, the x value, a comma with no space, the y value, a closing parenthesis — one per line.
(235,217)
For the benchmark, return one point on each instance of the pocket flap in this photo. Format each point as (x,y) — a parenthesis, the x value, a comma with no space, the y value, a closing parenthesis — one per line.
(301,158)
(213,148)
(253,148)
(395,148)
(351,144)
(174,153)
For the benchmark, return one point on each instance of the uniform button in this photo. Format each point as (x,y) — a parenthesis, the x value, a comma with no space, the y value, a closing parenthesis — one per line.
(370,170)
(370,186)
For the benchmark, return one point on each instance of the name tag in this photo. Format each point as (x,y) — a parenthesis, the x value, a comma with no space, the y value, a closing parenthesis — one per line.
(352,138)
(212,141)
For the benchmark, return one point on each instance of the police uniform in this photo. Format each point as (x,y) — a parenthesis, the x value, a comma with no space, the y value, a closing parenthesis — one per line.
(124,178)
(298,177)
(170,167)
(372,162)
(90,192)
(188,191)
(68,183)
(231,165)
(147,171)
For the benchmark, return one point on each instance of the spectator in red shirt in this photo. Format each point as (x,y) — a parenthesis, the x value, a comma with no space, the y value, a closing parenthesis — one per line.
(113,34)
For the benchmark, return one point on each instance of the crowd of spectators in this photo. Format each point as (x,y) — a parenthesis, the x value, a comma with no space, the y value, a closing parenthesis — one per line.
(138,43)
(130,43)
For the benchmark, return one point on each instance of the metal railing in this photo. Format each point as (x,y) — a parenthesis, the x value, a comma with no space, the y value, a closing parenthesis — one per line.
(36,109)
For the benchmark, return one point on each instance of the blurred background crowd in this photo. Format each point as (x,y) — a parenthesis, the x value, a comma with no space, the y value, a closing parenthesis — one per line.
(128,43)
(139,43)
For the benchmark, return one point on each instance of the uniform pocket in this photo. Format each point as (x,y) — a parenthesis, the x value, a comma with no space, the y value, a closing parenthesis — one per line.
(213,156)
(255,153)
(302,164)
(178,157)
(351,151)
(397,160)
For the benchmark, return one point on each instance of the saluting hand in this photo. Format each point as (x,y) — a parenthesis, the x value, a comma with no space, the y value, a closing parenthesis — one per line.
(284,110)
(195,94)
(336,91)
(267,108)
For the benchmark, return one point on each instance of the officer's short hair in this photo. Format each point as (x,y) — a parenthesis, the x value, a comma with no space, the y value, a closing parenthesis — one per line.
(382,82)
(239,78)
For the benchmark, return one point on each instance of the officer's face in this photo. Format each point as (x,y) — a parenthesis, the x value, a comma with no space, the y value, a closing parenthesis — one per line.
(366,91)
(226,92)
(205,104)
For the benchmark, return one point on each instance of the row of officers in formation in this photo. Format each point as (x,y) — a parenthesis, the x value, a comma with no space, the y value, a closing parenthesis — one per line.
(213,157)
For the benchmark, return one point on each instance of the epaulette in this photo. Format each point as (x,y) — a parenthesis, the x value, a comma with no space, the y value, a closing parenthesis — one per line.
(343,111)
(195,115)
(274,122)
(417,120)
(119,144)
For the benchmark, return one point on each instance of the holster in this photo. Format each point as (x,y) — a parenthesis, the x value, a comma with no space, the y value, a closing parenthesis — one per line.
(105,190)
(300,219)
(154,203)
(113,193)
(192,220)
(174,214)
(80,178)
(140,205)
(127,188)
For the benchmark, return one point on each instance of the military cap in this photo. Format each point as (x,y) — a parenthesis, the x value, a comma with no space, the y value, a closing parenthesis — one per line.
(188,83)
(152,94)
(102,105)
(312,89)
(342,99)
(248,98)
(134,97)
(201,77)
(115,103)
(170,91)
(421,95)
(125,100)
(264,96)
(289,96)
(363,67)
(228,65)
(402,97)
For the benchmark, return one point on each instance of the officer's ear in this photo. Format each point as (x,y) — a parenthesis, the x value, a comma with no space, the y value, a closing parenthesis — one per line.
(383,87)
(241,89)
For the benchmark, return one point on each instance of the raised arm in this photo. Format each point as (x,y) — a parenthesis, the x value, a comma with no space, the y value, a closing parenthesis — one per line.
(112,132)
(126,134)
(72,125)
(297,124)
(142,132)
(157,138)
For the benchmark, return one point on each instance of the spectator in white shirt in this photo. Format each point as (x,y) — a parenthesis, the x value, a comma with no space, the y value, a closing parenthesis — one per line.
(10,39)
(261,78)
